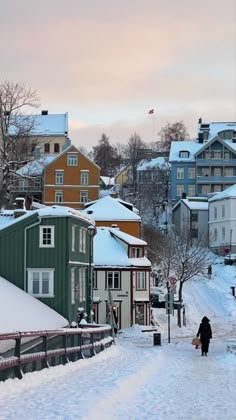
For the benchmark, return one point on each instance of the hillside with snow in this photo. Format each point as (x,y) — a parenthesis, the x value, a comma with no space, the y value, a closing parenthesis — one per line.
(135,380)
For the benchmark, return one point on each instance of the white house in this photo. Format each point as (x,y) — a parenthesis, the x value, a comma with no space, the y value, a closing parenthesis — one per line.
(222,221)
(120,265)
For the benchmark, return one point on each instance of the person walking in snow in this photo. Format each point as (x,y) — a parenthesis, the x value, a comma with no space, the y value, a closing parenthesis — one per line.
(205,333)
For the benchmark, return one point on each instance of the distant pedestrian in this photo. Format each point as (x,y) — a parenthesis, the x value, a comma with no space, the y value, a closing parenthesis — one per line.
(205,334)
(209,271)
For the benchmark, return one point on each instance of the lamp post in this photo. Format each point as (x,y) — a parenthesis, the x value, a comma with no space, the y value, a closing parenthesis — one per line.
(91,232)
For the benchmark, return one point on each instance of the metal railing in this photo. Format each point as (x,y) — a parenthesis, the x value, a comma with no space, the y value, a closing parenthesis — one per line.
(33,351)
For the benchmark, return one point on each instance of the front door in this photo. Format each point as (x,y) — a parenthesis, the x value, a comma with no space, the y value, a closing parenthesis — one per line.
(140,314)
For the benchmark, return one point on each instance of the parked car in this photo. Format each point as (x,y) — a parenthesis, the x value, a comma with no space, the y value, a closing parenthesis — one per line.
(230,259)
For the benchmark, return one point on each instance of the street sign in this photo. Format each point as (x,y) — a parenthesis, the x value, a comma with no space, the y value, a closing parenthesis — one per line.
(172,280)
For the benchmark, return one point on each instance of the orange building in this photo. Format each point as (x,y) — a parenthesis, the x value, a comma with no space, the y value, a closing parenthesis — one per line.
(71,179)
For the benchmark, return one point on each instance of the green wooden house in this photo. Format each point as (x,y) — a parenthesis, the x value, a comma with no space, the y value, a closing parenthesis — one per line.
(48,253)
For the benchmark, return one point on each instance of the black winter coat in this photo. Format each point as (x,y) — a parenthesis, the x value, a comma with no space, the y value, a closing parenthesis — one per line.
(205,331)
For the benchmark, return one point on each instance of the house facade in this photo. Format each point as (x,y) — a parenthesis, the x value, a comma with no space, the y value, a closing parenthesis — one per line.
(71,179)
(46,253)
(121,274)
(222,222)
(204,166)
(191,214)
(108,211)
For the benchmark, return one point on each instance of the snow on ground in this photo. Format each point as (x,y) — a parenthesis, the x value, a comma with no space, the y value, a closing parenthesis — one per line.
(136,380)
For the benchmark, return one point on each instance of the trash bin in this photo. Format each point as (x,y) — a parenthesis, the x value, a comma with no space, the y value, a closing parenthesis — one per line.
(157,339)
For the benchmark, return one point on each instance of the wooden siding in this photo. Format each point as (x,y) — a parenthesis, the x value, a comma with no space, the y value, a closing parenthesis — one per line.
(132,228)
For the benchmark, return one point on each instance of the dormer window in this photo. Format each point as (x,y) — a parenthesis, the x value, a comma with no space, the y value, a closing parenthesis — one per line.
(137,252)
(184,154)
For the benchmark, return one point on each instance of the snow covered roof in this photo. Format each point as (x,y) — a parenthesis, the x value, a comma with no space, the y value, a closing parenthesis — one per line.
(216,127)
(179,146)
(7,216)
(36,167)
(45,125)
(108,208)
(227,193)
(109,250)
(198,203)
(108,181)
(20,311)
(147,164)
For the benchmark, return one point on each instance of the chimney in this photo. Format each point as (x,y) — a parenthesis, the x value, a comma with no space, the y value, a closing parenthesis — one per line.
(199,121)
(184,195)
(44,112)
(200,138)
(20,207)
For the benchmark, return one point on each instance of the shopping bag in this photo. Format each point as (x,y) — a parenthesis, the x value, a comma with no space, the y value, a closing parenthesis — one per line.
(196,341)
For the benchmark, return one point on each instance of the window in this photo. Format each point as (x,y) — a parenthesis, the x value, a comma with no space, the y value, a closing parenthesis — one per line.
(215,234)
(194,216)
(56,147)
(223,211)
(73,233)
(140,281)
(184,154)
(226,155)
(82,283)
(47,148)
(205,189)
(223,234)
(72,159)
(180,173)
(191,191)
(191,173)
(215,212)
(72,284)
(217,188)
(82,240)
(204,172)
(59,177)
(84,177)
(23,185)
(41,282)
(228,172)
(179,189)
(113,279)
(58,196)
(83,196)
(216,154)
(46,236)
(136,252)
(217,171)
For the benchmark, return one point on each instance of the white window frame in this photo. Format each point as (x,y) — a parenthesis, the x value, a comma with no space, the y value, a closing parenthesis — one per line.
(72,159)
(83,196)
(191,190)
(137,252)
(184,154)
(59,177)
(205,189)
(141,280)
(217,171)
(228,172)
(41,234)
(58,196)
(215,212)
(179,190)
(73,236)
(82,240)
(82,284)
(223,211)
(179,173)
(40,271)
(191,173)
(84,177)
(113,275)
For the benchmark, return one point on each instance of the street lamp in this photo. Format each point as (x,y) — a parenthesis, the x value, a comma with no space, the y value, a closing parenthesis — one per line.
(91,232)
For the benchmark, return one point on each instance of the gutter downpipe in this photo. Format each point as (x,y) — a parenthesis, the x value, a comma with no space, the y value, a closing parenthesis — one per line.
(25,247)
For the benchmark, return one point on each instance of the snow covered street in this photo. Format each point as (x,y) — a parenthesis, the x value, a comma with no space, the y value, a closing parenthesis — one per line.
(136,380)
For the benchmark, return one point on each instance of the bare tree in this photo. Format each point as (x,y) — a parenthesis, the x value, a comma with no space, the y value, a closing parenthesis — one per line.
(15,128)
(184,261)
(172,132)
(132,151)
(106,156)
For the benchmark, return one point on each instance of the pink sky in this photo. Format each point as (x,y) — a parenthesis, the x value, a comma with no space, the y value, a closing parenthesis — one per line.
(108,62)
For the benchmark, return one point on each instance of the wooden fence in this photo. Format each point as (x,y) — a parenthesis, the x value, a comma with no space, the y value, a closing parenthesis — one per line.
(33,351)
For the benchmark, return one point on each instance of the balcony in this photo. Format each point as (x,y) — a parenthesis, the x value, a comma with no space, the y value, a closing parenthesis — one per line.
(25,188)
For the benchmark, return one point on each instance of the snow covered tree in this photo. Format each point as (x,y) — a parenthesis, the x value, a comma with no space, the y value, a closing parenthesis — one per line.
(172,132)
(16,147)
(184,261)
(132,152)
(106,156)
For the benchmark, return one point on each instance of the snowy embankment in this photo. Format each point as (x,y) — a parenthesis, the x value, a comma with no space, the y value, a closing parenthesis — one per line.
(136,380)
